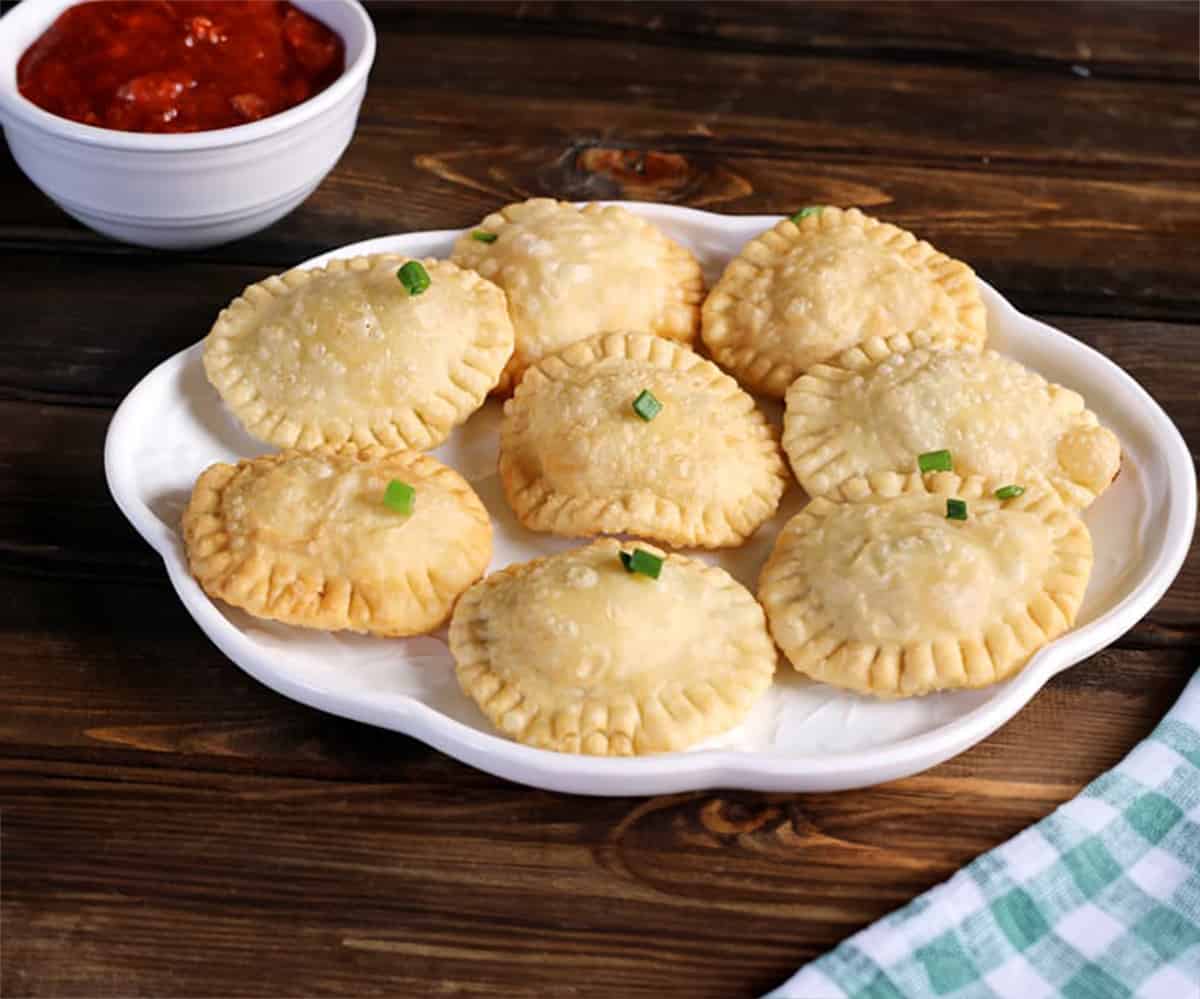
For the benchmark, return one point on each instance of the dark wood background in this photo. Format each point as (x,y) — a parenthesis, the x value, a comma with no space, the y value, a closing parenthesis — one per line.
(170,828)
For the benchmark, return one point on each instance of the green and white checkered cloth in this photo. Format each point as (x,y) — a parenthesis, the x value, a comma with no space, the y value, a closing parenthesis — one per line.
(1100,900)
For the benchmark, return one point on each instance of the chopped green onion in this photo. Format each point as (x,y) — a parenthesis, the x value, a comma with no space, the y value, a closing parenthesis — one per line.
(414,277)
(1009,492)
(646,406)
(642,562)
(935,461)
(956,509)
(483,236)
(400,496)
(806,212)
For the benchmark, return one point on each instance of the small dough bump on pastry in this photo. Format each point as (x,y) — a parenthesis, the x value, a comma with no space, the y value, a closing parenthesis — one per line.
(575,459)
(806,290)
(305,537)
(876,590)
(575,654)
(1090,456)
(571,272)
(344,353)
(881,404)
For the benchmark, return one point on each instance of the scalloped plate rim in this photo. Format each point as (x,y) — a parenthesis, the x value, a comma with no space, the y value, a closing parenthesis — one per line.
(703,768)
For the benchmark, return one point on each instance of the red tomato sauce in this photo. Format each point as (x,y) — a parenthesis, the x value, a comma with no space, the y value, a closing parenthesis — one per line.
(178,65)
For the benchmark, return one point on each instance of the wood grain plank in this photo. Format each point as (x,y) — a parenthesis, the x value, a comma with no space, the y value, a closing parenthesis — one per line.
(1057,243)
(55,514)
(90,347)
(1051,243)
(164,877)
(56,517)
(119,674)
(907,113)
(784,104)
(1111,39)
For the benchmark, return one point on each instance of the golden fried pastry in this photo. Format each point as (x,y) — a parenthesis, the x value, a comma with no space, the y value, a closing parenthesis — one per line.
(572,272)
(592,652)
(627,433)
(882,404)
(822,282)
(374,350)
(905,586)
(367,539)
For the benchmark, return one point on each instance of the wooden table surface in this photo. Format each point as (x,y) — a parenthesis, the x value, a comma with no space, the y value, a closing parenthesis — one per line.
(171,828)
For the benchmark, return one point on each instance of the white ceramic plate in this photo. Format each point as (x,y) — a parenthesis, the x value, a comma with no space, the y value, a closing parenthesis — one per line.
(802,736)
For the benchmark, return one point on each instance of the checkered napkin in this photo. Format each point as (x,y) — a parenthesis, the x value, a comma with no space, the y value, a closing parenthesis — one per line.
(1101,900)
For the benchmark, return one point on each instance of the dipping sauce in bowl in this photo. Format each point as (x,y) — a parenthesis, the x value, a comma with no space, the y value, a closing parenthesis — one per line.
(178,65)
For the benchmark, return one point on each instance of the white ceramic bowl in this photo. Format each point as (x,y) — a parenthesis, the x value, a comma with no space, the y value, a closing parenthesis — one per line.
(803,736)
(194,189)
